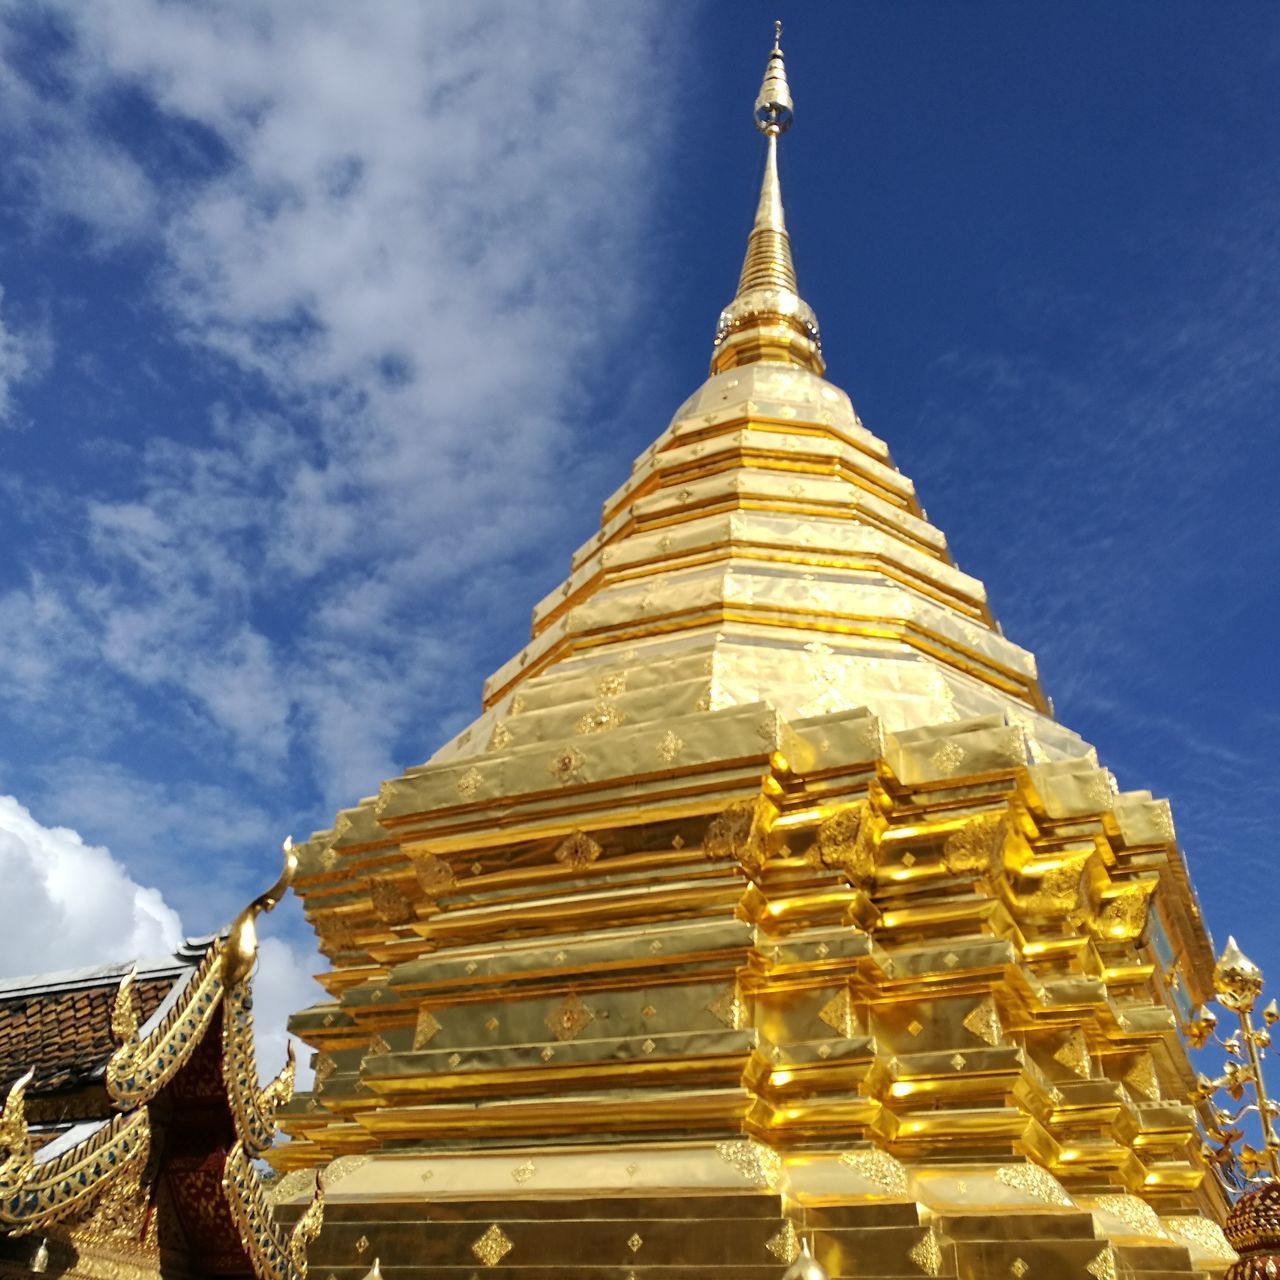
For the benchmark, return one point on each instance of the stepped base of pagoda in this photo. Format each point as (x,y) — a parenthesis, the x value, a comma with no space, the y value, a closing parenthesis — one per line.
(734,1208)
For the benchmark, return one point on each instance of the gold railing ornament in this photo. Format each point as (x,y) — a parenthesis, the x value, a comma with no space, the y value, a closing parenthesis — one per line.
(1237,983)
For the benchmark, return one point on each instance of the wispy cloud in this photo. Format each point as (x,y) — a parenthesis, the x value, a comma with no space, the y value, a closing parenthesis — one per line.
(386,235)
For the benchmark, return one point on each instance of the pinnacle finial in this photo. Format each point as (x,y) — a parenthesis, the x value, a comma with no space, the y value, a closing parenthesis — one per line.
(767,319)
(774,107)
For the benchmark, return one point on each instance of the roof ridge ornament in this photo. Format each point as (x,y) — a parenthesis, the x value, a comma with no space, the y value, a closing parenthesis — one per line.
(767,319)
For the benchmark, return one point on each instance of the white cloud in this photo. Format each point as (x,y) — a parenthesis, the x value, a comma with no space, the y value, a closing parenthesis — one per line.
(69,904)
(23,355)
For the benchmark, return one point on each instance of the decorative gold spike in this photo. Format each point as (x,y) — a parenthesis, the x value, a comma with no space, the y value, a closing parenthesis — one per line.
(767,318)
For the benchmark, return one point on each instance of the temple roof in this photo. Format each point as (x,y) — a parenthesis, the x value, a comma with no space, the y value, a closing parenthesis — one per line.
(60,1023)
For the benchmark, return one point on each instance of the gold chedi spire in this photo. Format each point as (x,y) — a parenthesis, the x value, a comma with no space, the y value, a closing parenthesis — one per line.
(768,319)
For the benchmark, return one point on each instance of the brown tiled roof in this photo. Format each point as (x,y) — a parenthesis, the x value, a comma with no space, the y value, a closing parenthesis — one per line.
(65,1034)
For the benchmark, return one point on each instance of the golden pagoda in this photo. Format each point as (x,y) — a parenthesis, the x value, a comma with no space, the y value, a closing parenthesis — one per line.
(765,906)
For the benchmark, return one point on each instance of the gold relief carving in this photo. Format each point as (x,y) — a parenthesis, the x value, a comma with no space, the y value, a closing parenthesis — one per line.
(1124,915)
(914,1027)
(959,1061)
(1163,820)
(547,1053)
(602,716)
(435,875)
(878,1167)
(568,1018)
(847,842)
(335,934)
(386,792)
(425,1029)
(838,1013)
(1103,1267)
(1059,889)
(634,1242)
(611,685)
(947,758)
(983,1021)
(977,847)
(1142,1079)
(785,1246)
(518,704)
(1133,1212)
(670,745)
(500,739)
(253,1109)
(1034,1181)
(491,1024)
(523,1172)
(377,1047)
(325,1067)
(578,851)
(1073,1054)
(1018,1268)
(741,832)
(119,1215)
(492,1247)
(139,1069)
(567,766)
(1206,1236)
(274,1253)
(362,1244)
(927,1253)
(390,903)
(469,783)
(757,1164)
(35,1196)
(730,1008)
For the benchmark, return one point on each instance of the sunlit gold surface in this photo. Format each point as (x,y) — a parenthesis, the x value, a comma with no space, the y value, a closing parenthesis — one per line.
(765,899)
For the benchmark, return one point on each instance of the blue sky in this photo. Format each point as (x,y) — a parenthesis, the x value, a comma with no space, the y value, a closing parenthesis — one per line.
(325,329)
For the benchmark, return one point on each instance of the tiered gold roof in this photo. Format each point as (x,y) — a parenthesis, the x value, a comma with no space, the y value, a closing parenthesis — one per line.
(764,895)
(764,548)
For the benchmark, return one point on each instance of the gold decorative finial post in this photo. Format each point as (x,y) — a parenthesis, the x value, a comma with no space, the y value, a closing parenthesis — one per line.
(1238,984)
(767,319)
